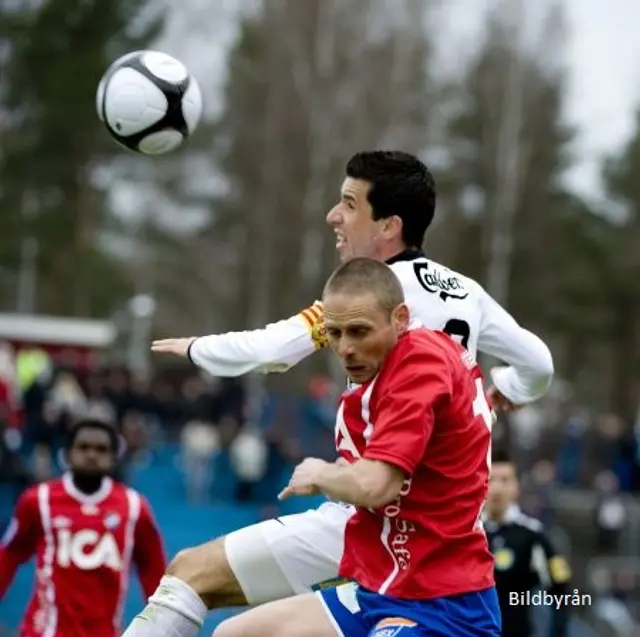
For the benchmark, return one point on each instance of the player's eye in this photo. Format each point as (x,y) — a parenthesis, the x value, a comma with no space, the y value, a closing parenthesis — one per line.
(333,333)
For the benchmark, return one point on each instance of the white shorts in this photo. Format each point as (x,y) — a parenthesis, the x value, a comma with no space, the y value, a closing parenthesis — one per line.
(289,555)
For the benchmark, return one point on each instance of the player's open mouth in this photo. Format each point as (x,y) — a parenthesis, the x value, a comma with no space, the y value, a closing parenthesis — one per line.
(341,242)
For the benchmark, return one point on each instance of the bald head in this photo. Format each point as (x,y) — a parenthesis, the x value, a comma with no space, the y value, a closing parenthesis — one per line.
(364,315)
(363,275)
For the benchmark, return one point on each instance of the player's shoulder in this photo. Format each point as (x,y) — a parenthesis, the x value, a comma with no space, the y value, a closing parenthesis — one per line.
(30,496)
(436,278)
(135,503)
(124,493)
(53,488)
(528,522)
(422,346)
(420,342)
(423,342)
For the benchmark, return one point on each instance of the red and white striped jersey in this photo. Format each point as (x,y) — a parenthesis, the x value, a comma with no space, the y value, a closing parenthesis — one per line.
(84,547)
(426,413)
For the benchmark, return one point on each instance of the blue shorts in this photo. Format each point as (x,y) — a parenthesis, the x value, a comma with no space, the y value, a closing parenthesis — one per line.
(357,612)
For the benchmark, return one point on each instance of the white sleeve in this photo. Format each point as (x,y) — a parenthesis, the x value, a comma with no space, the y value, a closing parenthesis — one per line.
(530,370)
(275,348)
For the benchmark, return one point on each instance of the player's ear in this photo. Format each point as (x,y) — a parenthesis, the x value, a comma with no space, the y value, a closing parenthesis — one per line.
(392,227)
(401,318)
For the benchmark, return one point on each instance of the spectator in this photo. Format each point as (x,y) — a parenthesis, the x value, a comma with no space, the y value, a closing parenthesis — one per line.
(571,450)
(200,445)
(611,514)
(249,459)
(99,405)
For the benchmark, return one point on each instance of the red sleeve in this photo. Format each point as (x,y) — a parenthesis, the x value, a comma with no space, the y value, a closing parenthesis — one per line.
(148,550)
(20,539)
(411,388)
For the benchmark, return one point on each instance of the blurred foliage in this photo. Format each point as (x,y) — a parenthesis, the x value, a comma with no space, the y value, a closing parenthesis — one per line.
(54,56)
(307,84)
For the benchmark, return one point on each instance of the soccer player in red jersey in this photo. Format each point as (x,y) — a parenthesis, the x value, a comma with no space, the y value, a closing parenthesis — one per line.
(85,530)
(413,432)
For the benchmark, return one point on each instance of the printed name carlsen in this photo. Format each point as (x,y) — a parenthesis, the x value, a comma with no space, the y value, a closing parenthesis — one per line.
(543,598)
(432,281)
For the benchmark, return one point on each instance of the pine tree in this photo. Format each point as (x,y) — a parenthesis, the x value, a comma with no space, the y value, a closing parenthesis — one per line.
(621,269)
(296,108)
(53,142)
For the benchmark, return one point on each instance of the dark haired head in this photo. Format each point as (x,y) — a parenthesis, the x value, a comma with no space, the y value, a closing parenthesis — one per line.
(402,186)
(501,456)
(93,423)
(92,453)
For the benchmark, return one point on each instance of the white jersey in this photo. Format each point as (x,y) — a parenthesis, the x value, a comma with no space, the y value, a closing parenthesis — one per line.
(437,297)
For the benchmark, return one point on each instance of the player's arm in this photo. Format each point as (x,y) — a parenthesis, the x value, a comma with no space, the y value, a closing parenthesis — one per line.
(275,348)
(555,575)
(365,483)
(530,370)
(413,384)
(148,551)
(20,539)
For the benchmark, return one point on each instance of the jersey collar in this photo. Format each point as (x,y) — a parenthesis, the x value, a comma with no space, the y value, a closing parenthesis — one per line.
(83,498)
(512,513)
(410,254)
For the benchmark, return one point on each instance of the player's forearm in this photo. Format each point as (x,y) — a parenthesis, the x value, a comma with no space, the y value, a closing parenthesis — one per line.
(365,484)
(275,348)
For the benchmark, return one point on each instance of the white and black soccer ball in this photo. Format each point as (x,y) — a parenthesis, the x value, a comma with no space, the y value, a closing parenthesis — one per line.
(149,102)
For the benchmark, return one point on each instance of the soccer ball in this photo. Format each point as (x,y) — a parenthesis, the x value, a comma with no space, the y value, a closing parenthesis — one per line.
(149,102)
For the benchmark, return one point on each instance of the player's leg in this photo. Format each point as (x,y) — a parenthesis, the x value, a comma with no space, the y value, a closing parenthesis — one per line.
(328,613)
(195,580)
(271,560)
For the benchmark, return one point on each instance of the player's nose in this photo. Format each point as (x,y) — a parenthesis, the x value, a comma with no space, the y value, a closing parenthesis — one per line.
(334,217)
(345,350)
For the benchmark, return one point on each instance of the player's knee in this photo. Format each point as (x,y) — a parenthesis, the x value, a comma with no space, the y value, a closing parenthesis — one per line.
(226,628)
(185,564)
(206,570)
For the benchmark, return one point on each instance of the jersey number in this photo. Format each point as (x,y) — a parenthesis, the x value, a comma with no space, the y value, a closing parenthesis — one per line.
(458,330)
(481,408)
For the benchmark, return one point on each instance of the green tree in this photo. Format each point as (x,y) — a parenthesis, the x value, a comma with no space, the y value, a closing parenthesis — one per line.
(53,142)
(621,269)
(296,107)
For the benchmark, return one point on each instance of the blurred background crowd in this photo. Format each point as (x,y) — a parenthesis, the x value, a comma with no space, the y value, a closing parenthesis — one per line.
(102,250)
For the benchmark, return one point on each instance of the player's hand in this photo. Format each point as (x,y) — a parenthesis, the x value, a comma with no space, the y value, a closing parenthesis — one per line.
(304,479)
(175,346)
(499,402)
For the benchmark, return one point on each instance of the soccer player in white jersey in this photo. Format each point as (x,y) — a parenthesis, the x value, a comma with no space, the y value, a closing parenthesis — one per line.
(387,202)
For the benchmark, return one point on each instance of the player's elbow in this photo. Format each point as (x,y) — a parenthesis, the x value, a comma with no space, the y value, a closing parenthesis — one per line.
(545,364)
(379,483)
(543,372)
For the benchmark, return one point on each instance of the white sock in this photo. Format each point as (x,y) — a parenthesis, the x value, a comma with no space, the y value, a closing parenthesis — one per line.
(174,610)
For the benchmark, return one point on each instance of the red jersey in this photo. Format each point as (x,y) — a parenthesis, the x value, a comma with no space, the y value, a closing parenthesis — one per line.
(84,547)
(425,412)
